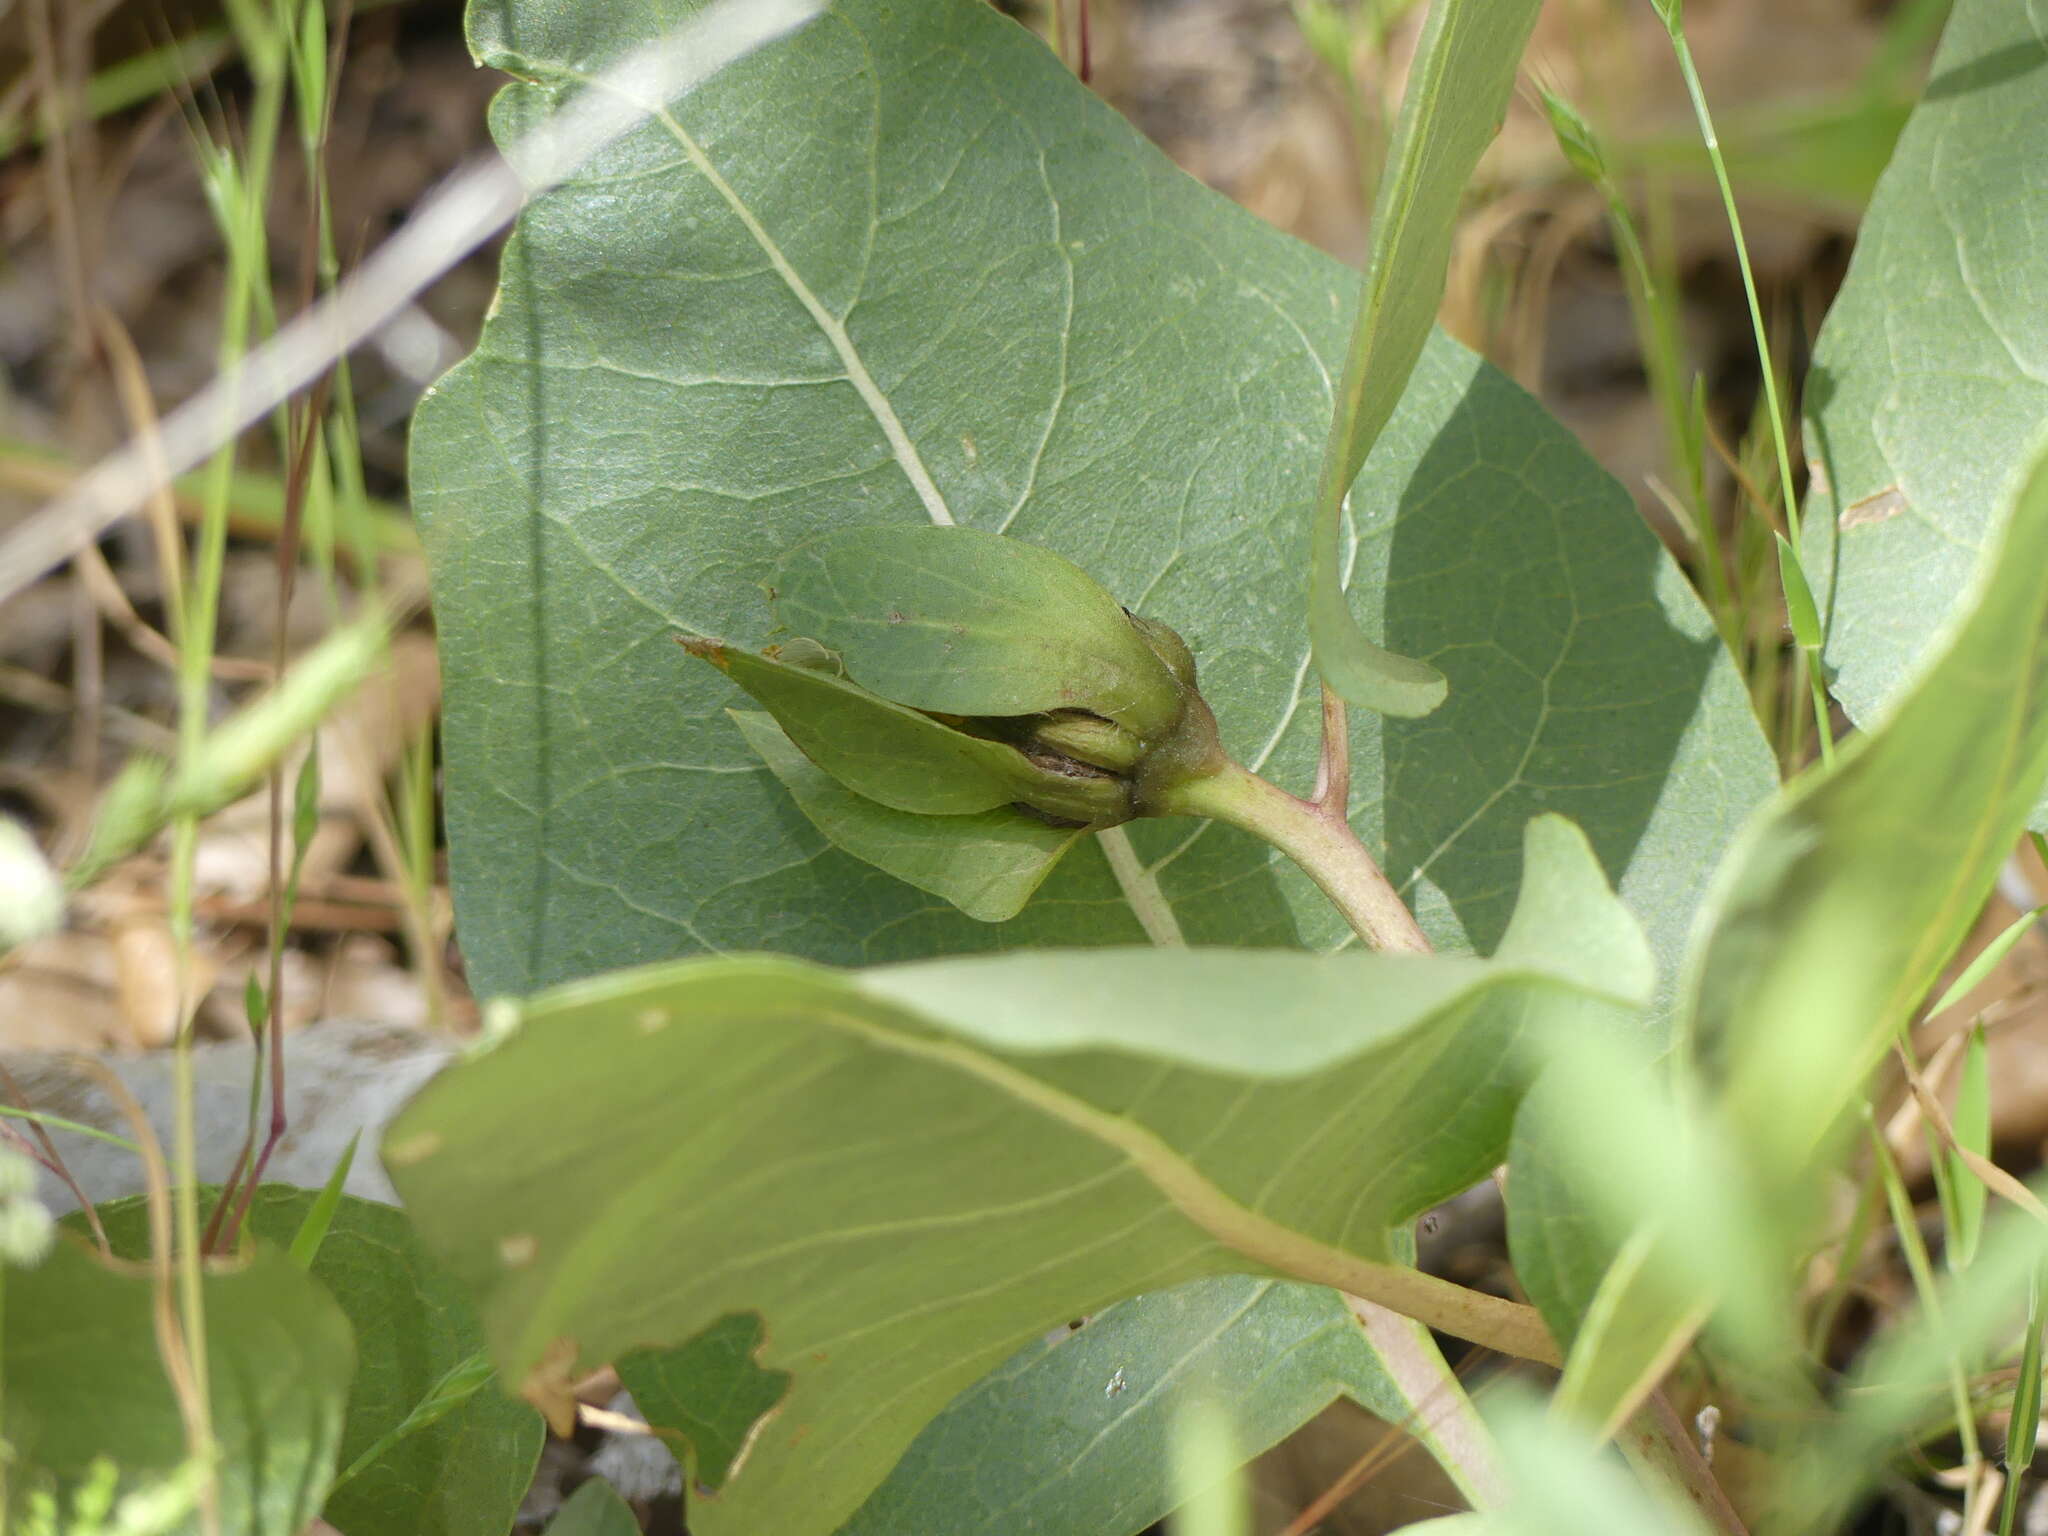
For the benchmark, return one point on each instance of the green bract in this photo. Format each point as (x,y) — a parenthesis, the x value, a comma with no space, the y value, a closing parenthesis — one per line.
(967,622)
(986,864)
(963,705)
(906,760)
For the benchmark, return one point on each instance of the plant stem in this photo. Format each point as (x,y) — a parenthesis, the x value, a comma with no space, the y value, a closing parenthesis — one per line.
(1657,1440)
(1441,1412)
(1317,837)
(1809,642)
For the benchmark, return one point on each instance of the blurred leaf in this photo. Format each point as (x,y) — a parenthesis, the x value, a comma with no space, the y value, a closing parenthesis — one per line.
(1629,1338)
(1072,1434)
(908,1172)
(1843,901)
(1567,1484)
(674,1387)
(1971,1121)
(1899,1388)
(595,1509)
(1830,152)
(306,802)
(1209,1483)
(964,622)
(1456,96)
(34,901)
(1930,377)
(795,307)
(1665,1225)
(1837,911)
(236,753)
(986,864)
(461,1474)
(84,1380)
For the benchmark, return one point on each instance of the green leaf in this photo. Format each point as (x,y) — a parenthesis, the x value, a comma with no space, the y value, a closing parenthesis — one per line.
(84,1379)
(1845,898)
(1985,961)
(932,274)
(319,1218)
(704,1397)
(1074,1432)
(891,755)
(1838,911)
(1930,377)
(987,864)
(1899,1387)
(1566,1484)
(1456,96)
(595,1509)
(1663,1226)
(463,1473)
(1971,1122)
(909,1171)
(965,622)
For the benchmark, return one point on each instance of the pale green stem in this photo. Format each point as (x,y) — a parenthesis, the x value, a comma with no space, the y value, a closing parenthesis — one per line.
(1922,1272)
(1318,838)
(1683,52)
(243,232)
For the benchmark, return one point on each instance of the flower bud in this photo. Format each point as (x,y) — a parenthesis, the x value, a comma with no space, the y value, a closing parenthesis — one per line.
(1167,645)
(1087,739)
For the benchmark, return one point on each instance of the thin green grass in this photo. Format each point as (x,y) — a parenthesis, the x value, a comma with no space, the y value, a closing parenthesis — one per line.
(1921,1268)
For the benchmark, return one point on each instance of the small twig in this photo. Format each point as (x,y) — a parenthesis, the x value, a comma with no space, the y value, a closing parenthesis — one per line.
(271,1047)
(44,1151)
(1657,1437)
(1994,1177)
(160,507)
(1455,1433)
(1905,1120)
(617,1423)
(1394,1441)
(460,215)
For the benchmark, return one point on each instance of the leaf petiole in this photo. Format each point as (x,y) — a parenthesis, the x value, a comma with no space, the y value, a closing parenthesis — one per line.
(1317,837)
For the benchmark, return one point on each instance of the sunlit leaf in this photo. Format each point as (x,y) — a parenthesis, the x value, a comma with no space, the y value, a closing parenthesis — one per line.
(902,266)
(1456,95)
(907,1172)
(1930,377)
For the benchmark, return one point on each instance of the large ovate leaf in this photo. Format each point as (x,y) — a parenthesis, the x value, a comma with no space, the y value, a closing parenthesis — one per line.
(969,623)
(462,1475)
(907,1172)
(1074,1433)
(900,267)
(1930,377)
(78,1349)
(1456,95)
